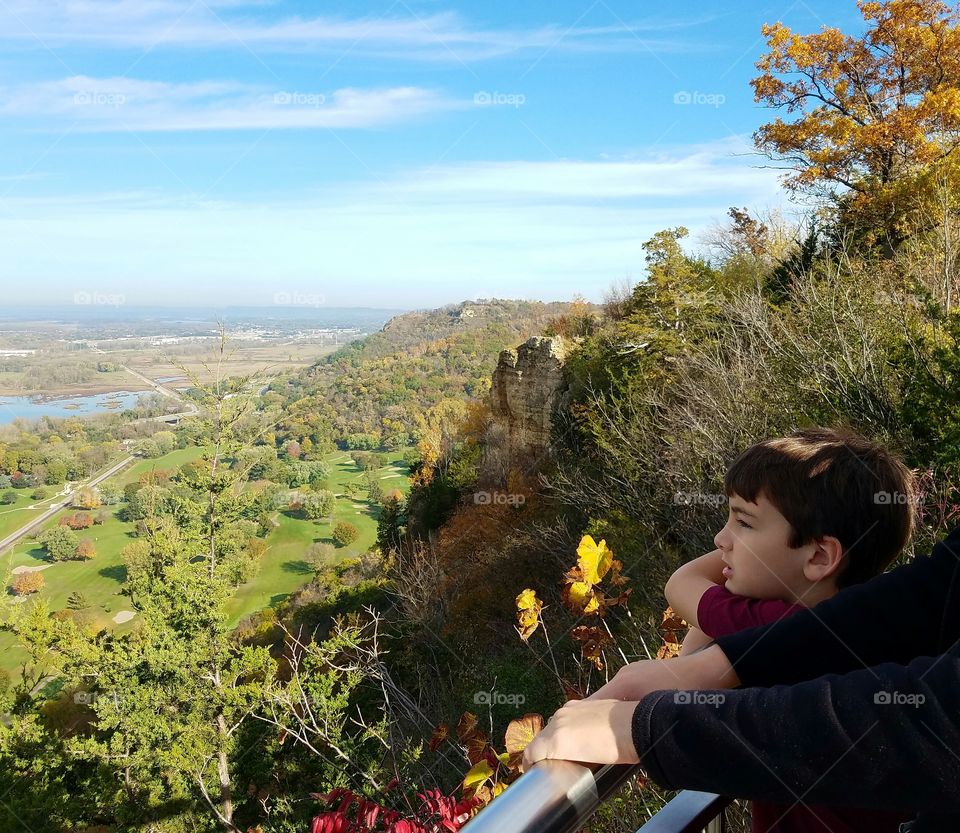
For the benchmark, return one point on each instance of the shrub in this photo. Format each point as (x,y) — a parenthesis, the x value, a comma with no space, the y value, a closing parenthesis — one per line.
(317,505)
(87,499)
(27,583)
(344,533)
(77,601)
(319,555)
(86,549)
(59,542)
(78,520)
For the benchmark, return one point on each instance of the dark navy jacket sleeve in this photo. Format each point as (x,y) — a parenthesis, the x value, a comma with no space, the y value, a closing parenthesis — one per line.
(886,737)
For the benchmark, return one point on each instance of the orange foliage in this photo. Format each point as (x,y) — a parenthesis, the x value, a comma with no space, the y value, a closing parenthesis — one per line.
(490,772)
(475,421)
(479,563)
(27,583)
(86,549)
(873,109)
(876,102)
(671,627)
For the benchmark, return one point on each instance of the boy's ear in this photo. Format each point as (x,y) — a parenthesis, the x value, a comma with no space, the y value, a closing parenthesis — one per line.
(825,559)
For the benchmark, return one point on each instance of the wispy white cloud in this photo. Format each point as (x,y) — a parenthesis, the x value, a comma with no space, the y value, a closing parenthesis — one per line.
(116,104)
(506,229)
(405,35)
(667,177)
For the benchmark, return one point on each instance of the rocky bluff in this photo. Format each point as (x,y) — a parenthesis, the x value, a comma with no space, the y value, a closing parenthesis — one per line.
(529,387)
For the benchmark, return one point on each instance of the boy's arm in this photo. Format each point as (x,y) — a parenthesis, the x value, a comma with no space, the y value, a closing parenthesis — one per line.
(690,581)
(693,641)
(705,668)
(828,638)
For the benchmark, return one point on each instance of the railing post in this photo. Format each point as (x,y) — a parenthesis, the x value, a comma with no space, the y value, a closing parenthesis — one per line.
(718,825)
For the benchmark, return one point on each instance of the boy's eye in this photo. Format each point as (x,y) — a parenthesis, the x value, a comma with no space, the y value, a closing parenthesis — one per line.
(744,524)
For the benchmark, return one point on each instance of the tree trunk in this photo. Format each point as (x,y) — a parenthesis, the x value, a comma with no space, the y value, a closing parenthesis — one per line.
(223,774)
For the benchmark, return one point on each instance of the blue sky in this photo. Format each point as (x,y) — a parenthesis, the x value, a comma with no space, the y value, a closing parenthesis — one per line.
(390,154)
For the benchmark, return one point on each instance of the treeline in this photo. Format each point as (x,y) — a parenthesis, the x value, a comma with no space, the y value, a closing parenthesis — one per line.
(52,450)
(48,375)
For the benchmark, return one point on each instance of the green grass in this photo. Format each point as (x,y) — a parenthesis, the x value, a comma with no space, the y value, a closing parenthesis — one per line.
(168,461)
(15,515)
(283,569)
(281,572)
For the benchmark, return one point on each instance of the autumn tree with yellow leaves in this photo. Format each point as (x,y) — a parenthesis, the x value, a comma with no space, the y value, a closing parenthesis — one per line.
(873,114)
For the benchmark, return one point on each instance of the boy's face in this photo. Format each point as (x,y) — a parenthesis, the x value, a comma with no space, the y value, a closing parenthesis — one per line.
(760,562)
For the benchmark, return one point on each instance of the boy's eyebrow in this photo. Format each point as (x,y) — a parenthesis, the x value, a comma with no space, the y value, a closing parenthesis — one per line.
(734,507)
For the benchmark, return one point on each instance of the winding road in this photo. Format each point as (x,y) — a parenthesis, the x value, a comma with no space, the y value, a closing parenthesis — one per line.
(55,507)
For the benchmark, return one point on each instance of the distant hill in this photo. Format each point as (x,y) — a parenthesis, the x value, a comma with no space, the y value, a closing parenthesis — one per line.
(457,321)
(377,385)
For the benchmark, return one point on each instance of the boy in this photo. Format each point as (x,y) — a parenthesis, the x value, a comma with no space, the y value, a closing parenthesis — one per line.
(809,514)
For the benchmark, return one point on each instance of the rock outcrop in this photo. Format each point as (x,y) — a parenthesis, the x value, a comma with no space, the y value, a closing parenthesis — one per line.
(529,387)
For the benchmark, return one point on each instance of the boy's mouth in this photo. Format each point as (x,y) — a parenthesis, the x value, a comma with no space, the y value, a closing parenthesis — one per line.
(727,571)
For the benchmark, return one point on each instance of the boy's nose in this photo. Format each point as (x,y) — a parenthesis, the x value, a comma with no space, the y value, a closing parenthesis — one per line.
(721,539)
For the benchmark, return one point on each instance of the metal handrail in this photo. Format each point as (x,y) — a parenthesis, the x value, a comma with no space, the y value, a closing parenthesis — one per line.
(690,812)
(560,796)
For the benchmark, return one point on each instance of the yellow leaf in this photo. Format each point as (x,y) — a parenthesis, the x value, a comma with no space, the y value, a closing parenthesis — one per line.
(521,731)
(527,600)
(477,775)
(528,613)
(582,597)
(594,559)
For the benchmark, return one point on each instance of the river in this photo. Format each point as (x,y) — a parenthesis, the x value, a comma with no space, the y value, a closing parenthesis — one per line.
(31,407)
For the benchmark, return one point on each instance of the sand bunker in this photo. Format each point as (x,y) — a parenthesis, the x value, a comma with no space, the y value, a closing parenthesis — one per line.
(24,569)
(124,616)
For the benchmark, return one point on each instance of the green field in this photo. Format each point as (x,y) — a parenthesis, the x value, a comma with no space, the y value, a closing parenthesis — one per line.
(15,515)
(169,461)
(282,570)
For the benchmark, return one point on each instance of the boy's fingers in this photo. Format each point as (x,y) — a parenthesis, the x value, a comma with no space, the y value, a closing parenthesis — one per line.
(534,752)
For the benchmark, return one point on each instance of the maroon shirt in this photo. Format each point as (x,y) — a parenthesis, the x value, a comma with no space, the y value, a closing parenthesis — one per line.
(720,613)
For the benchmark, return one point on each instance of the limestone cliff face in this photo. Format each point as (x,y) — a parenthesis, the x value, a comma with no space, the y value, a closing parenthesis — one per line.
(528,388)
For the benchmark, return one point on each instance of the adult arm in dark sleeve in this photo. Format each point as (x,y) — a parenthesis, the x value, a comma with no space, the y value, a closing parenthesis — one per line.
(886,737)
(907,612)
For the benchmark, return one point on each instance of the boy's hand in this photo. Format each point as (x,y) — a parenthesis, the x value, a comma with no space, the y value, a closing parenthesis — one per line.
(599,728)
(589,731)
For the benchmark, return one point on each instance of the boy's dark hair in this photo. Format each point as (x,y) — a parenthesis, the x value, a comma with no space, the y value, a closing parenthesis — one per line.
(837,483)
